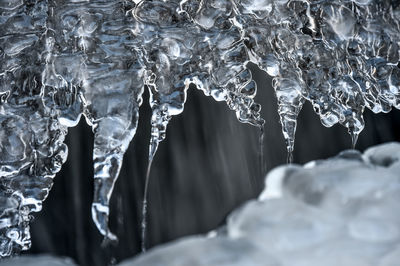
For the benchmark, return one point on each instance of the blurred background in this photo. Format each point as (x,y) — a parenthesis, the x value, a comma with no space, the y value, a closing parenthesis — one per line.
(207,166)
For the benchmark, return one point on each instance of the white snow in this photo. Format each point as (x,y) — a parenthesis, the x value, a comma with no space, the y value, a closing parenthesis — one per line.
(340,211)
(38,260)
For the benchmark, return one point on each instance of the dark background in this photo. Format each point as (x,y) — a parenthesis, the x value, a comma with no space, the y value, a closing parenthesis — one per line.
(207,166)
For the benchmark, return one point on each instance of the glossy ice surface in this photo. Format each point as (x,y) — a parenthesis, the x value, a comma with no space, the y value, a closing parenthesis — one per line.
(60,59)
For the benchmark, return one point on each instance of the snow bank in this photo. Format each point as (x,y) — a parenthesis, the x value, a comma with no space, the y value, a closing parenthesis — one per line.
(339,211)
(38,260)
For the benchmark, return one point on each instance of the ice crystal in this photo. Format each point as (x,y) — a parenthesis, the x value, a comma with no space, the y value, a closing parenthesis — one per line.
(64,58)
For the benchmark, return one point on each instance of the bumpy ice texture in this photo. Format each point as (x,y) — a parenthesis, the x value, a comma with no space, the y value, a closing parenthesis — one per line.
(64,58)
(31,149)
(337,211)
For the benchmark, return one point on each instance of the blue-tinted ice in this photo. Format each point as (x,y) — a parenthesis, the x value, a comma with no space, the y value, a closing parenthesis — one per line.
(60,59)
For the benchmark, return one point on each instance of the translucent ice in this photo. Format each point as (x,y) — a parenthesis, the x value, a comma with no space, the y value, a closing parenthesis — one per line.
(339,55)
(193,45)
(64,58)
(31,149)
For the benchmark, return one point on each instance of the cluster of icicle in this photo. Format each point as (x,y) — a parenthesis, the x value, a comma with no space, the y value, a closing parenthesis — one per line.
(60,59)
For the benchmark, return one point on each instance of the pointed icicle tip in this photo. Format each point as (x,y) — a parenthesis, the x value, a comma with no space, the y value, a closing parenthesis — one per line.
(354,139)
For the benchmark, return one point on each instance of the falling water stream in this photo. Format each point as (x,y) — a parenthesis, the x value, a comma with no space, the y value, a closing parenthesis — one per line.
(145,197)
(261,151)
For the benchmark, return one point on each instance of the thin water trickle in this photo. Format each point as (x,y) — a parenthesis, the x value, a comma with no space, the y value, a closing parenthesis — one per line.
(144,209)
(143,225)
(153,148)
(261,151)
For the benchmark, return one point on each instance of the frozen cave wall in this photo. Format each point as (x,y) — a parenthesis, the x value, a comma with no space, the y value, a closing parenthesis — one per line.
(61,59)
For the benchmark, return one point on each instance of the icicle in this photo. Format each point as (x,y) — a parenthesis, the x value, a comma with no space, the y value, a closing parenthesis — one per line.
(354,131)
(290,103)
(341,56)
(159,122)
(289,157)
(164,104)
(106,169)
(112,138)
(96,57)
(354,138)
(31,148)
(355,124)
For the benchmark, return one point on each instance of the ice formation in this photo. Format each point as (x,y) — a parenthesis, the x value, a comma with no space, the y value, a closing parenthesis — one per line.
(64,58)
(337,211)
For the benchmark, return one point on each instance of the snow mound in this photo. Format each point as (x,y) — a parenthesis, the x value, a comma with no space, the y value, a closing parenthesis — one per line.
(339,211)
(38,260)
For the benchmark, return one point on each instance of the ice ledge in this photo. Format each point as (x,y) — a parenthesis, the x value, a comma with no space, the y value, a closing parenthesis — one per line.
(339,211)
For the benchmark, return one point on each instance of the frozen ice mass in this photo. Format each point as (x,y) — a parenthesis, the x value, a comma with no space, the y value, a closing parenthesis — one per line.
(61,59)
